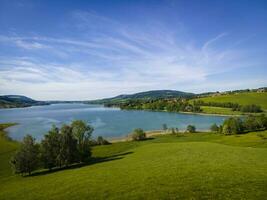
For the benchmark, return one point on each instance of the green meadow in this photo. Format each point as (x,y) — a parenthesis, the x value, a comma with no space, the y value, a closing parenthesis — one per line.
(245,98)
(184,166)
(219,110)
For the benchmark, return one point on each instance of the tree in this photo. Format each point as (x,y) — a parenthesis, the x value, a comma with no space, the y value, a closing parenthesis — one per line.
(232,125)
(220,130)
(251,108)
(26,158)
(50,148)
(191,128)
(68,153)
(214,128)
(262,121)
(82,132)
(251,124)
(138,134)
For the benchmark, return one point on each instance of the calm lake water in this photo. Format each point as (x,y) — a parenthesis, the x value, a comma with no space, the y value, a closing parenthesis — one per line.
(108,122)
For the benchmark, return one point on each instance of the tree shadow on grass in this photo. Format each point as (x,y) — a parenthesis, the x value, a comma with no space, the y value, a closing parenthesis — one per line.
(93,160)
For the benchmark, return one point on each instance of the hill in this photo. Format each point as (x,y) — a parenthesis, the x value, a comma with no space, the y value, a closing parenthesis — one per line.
(192,166)
(148,95)
(17,101)
(245,98)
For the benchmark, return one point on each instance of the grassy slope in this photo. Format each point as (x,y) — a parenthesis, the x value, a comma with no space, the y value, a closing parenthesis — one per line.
(241,98)
(219,110)
(7,148)
(193,166)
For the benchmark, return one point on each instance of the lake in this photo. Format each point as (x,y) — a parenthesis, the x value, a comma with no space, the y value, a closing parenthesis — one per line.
(108,122)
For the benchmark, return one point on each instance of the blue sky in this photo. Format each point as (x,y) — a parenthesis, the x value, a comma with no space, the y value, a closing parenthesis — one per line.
(78,50)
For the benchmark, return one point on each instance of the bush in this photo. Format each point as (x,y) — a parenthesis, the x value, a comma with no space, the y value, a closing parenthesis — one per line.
(191,129)
(232,125)
(214,128)
(138,134)
(251,108)
(262,121)
(250,123)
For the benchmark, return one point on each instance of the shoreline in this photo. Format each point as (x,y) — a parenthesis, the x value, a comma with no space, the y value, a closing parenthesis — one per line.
(149,134)
(127,137)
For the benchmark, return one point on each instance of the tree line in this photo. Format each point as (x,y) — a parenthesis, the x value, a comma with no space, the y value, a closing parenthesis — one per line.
(252,108)
(230,126)
(180,105)
(170,105)
(237,125)
(59,148)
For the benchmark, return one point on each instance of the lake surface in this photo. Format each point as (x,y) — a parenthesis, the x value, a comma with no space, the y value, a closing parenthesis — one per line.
(108,122)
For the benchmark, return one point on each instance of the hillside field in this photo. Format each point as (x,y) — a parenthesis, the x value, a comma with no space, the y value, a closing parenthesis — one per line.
(189,166)
(241,98)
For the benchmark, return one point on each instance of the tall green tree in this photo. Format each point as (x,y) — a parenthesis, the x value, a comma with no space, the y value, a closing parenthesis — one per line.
(26,158)
(68,153)
(82,132)
(50,148)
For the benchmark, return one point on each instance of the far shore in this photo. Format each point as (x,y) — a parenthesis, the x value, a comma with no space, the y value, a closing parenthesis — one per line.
(189,113)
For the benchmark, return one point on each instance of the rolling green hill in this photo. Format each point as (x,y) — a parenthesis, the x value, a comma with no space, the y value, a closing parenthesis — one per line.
(154,94)
(17,101)
(192,166)
(240,98)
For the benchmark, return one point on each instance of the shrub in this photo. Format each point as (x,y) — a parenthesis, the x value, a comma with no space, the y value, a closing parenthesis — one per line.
(262,121)
(214,128)
(250,123)
(232,126)
(138,134)
(251,108)
(191,129)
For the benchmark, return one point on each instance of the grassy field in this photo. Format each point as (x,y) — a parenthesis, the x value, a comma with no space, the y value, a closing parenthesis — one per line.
(190,166)
(7,148)
(219,110)
(241,98)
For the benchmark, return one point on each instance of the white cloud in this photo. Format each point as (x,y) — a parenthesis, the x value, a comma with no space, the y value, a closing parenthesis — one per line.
(110,58)
(30,45)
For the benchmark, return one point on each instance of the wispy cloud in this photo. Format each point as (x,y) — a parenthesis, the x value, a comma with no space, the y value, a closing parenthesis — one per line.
(109,58)
(30,45)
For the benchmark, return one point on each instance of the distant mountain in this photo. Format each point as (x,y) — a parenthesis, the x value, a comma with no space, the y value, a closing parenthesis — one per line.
(17,101)
(149,95)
